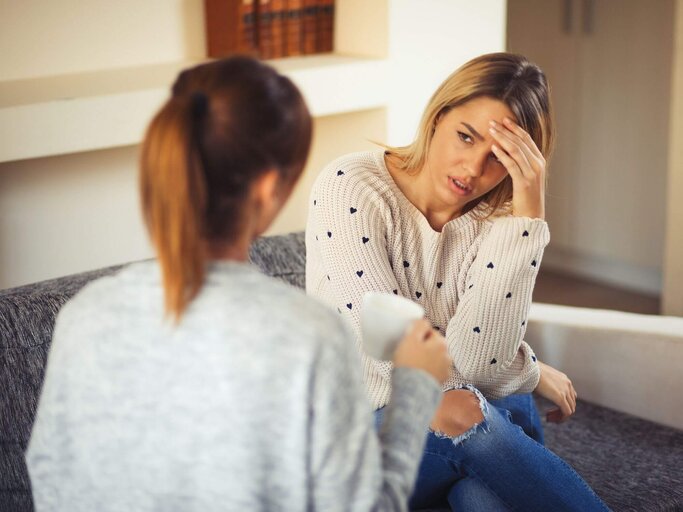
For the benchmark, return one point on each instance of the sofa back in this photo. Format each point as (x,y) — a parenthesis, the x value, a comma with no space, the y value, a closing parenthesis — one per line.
(625,361)
(27,317)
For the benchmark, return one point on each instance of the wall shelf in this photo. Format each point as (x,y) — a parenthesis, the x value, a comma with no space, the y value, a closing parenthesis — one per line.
(82,112)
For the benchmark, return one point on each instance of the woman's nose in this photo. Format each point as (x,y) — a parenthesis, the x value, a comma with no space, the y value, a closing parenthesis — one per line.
(475,166)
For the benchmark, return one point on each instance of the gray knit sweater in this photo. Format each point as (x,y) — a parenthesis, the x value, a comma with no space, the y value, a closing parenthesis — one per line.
(253,402)
(474,278)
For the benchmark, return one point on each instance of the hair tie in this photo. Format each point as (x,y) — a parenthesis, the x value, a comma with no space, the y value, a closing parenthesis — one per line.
(199,103)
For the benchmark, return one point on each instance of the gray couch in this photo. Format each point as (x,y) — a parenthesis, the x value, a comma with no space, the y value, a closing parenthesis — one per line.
(634,465)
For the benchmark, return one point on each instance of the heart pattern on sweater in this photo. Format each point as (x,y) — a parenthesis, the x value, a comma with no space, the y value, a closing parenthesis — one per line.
(340,173)
(490,265)
(359,273)
(477,330)
(493,361)
(365,239)
(352,210)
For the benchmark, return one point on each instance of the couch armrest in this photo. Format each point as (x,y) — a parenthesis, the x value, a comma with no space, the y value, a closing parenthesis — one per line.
(625,361)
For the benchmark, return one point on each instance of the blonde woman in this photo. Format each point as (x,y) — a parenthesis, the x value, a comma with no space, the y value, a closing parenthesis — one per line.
(455,221)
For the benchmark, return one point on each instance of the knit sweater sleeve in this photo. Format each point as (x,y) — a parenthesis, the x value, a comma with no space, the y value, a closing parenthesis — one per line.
(350,248)
(485,336)
(351,466)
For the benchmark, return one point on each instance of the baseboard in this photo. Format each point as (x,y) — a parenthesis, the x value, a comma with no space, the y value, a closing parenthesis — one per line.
(639,278)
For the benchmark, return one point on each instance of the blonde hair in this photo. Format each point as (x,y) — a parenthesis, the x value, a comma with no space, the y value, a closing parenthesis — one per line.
(226,123)
(507,77)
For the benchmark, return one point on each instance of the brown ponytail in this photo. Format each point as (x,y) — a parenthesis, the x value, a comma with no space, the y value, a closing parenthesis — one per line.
(173,188)
(226,123)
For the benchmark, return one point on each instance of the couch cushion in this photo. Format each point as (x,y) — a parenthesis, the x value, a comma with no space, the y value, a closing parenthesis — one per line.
(632,464)
(282,256)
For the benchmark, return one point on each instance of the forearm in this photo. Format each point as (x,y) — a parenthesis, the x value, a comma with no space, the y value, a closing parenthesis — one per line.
(518,377)
(415,397)
(485,336)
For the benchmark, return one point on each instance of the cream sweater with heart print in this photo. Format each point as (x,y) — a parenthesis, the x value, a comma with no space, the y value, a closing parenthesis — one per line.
(474,278)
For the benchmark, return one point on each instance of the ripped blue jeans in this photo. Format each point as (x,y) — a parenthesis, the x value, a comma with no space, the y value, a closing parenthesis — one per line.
(496,466)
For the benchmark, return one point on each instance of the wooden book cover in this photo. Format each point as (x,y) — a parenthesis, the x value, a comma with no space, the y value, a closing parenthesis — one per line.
(325,26)
(310,26)
(278,9)
(265,29)
(230,27)
(294,28)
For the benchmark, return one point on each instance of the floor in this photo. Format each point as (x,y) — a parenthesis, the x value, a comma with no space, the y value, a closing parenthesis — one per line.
(556,288)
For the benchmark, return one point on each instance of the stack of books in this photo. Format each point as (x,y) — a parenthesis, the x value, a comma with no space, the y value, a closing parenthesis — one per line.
(269,29)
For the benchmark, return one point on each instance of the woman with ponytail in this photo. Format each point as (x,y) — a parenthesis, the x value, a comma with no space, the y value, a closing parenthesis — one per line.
(193,382)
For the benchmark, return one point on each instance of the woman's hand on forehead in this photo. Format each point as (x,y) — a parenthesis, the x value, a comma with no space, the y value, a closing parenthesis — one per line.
(526,165)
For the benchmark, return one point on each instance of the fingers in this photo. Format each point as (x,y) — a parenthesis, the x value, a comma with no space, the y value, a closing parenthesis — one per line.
(572,397)
(519,145)
(420,329)
(524,136)
(520,137)
(513,147)
(566,408)
(508,162)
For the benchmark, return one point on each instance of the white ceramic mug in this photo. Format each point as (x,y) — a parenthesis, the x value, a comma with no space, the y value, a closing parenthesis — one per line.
(384,320)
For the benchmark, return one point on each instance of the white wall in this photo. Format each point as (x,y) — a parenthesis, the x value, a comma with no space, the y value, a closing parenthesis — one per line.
(55,37)
(61,215)
(65,214)
(428,40)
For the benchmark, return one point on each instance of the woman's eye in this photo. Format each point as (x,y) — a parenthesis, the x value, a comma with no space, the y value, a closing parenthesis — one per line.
(465,138)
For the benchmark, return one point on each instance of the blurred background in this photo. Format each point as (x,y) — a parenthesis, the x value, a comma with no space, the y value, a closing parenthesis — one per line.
(80,79)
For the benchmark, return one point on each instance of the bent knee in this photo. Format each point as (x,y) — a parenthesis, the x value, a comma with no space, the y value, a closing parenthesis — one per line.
(460,411)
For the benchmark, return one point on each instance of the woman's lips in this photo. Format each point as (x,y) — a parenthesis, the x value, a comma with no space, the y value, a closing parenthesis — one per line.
(459,187)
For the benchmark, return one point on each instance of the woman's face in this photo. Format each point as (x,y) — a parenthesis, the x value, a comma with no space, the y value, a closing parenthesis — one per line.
(460,163)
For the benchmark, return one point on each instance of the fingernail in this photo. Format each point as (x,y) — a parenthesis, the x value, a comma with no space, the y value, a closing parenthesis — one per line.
(507,120)
(492,130)
(492,122)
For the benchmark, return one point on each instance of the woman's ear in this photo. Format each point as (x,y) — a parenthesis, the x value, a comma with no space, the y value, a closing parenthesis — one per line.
(267,196)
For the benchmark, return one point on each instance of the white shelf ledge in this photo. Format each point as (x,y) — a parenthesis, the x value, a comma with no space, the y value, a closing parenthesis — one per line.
(83,112)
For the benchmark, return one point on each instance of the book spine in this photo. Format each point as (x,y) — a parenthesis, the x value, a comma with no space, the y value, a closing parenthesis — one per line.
(294,28)
(310,25)
(247,28)
(222,27)
(278,9)
(325,21)
(265,29)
